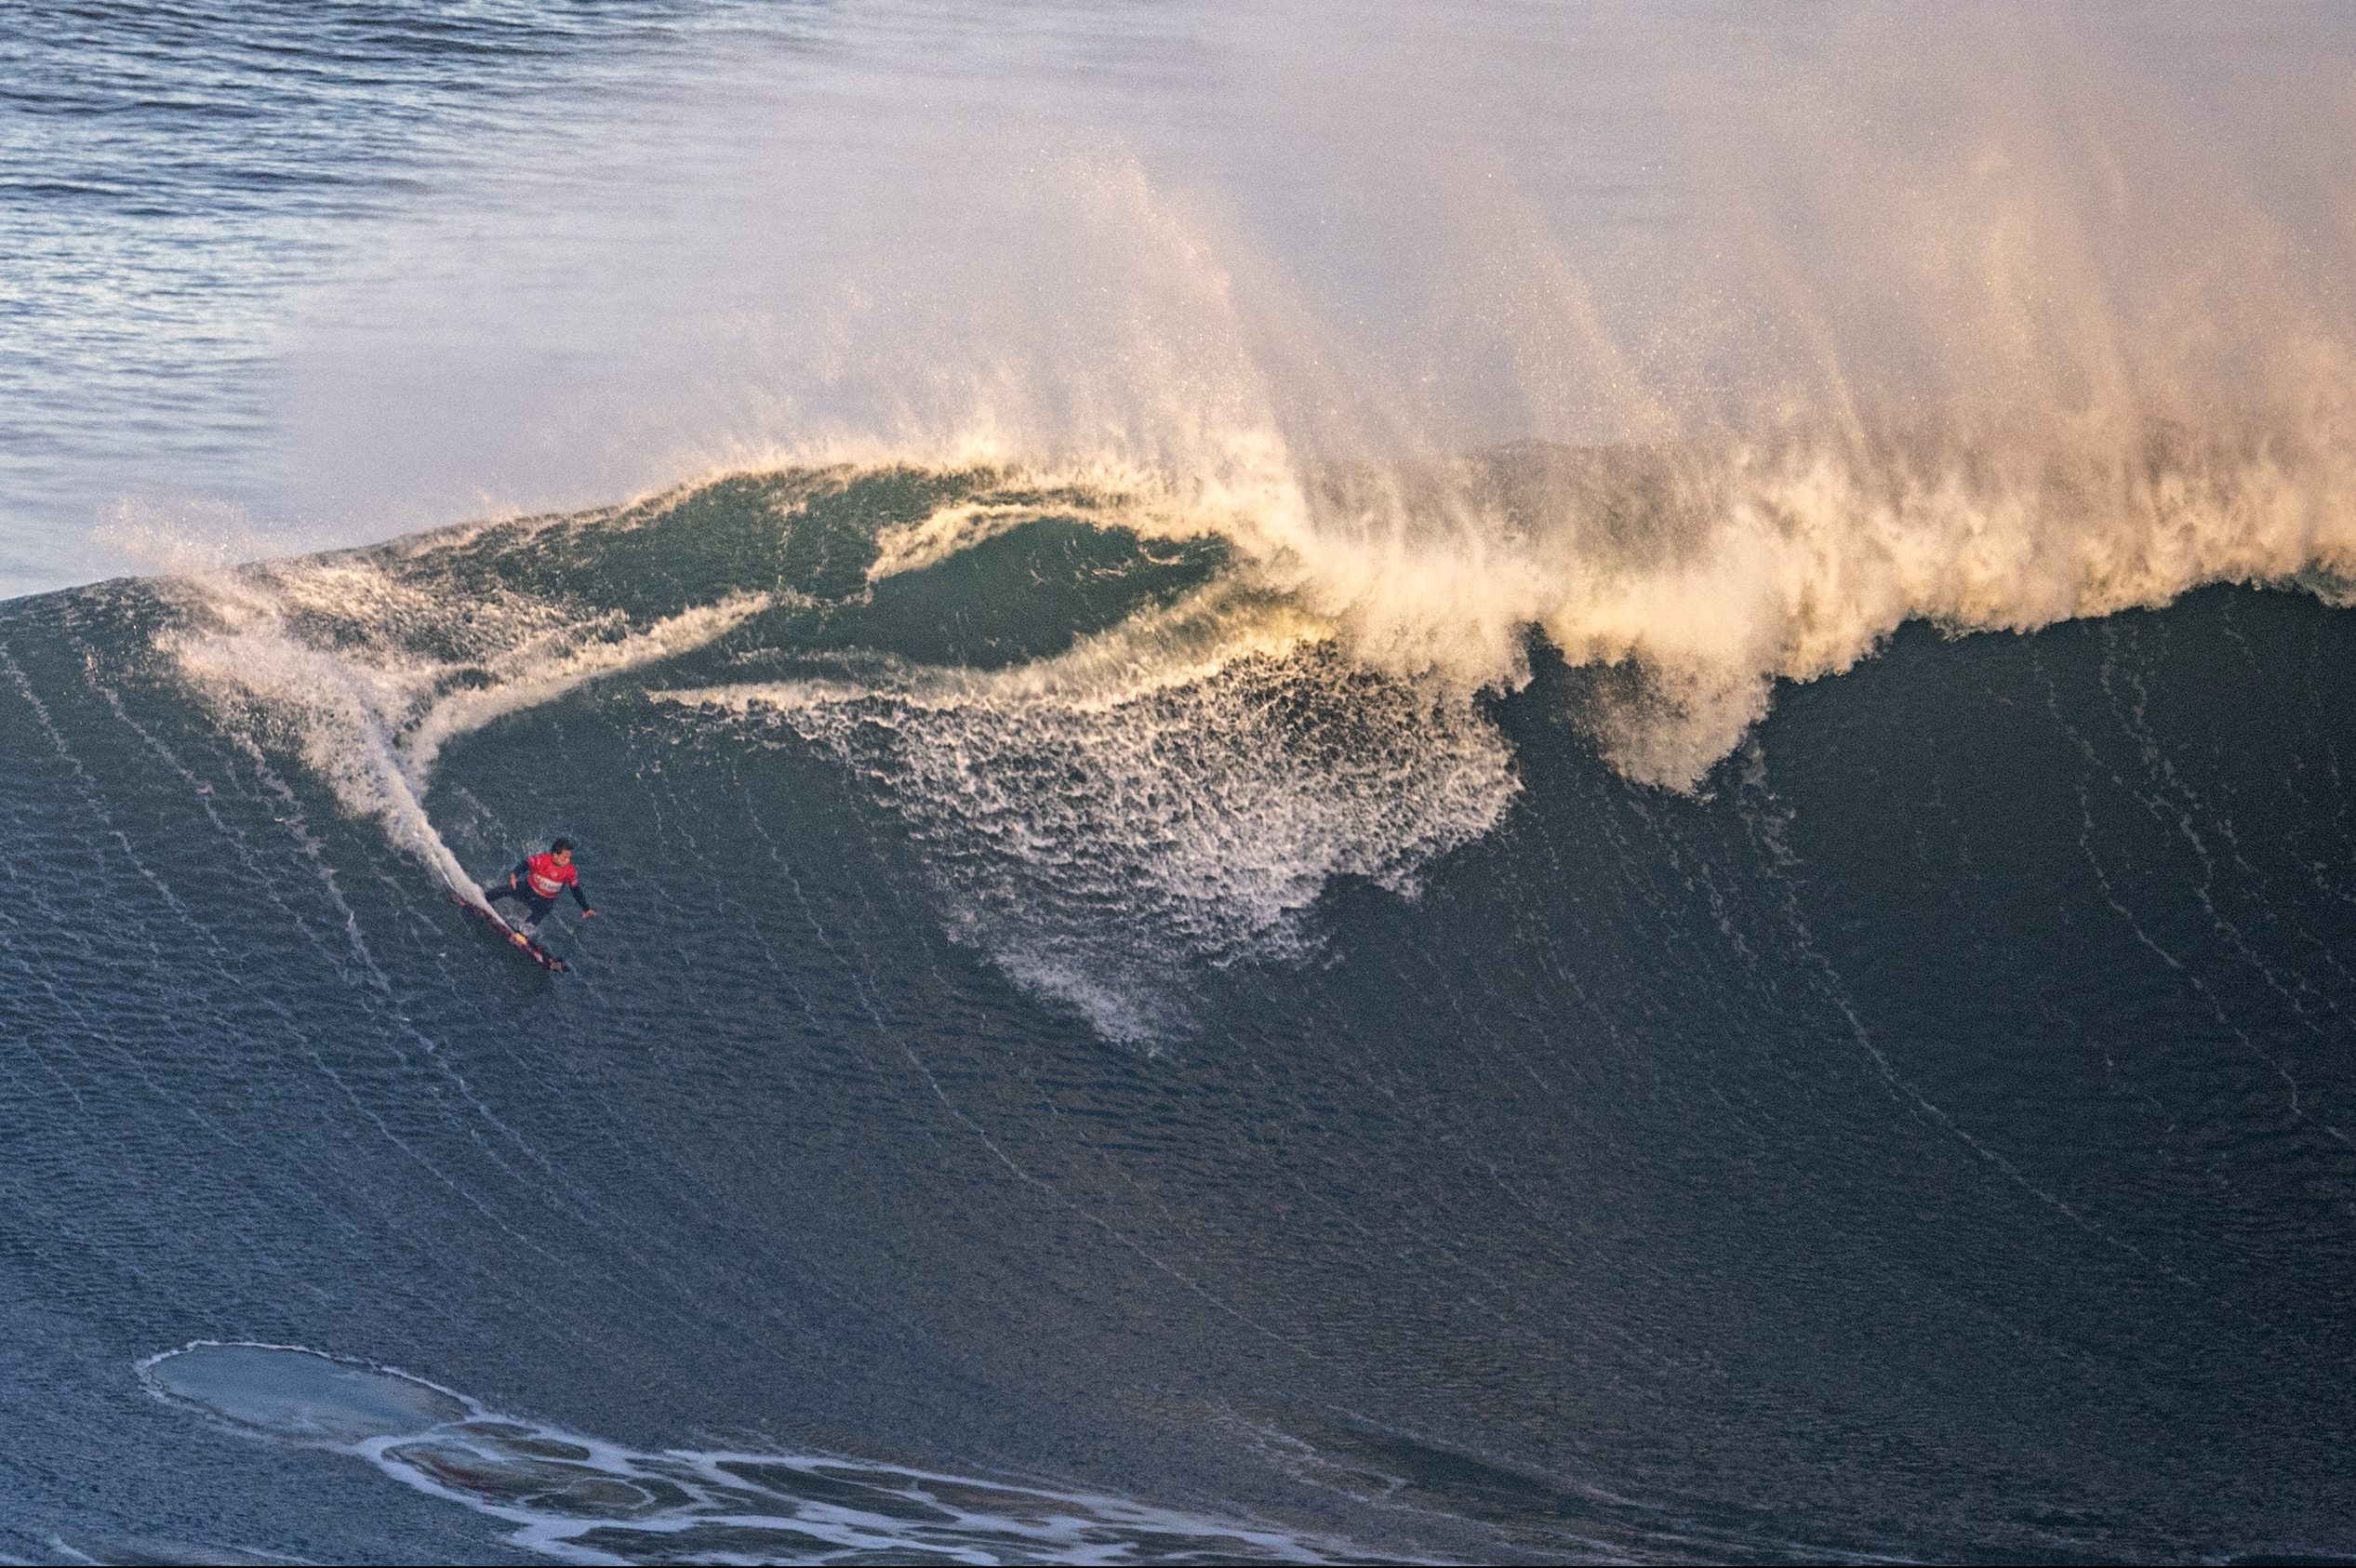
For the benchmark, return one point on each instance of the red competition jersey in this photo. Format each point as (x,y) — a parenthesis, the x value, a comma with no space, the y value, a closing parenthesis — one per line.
(548,878)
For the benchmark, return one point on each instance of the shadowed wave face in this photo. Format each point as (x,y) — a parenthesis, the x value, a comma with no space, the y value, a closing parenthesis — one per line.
(1497,783)
(1093,1052)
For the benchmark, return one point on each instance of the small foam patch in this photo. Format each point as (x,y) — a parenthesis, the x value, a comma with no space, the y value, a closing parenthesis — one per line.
(300,1394)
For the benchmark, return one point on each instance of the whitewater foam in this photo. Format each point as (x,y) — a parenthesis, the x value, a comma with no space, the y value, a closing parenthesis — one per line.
(1177,790)
(1960,324)
(331,655)
(583,1499)
(1712,564)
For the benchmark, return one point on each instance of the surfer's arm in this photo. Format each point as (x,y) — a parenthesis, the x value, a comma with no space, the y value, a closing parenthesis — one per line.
(582,899)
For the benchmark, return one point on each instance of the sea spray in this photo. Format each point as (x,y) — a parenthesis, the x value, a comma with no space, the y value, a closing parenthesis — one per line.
(1177,791)
(368,710)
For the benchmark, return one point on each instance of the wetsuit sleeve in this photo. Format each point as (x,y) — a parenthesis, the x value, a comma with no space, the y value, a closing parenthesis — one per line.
(579,897)
(522,868)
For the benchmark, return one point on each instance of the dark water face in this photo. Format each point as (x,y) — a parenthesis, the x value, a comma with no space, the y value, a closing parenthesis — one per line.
(1287,866)
(1931,1139)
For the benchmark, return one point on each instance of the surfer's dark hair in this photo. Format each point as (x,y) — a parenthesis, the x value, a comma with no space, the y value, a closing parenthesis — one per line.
(559,846)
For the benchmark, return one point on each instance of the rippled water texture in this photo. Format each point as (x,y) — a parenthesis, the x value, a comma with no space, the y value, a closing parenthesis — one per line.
(1356,1121)
(1515,783)
(174,173)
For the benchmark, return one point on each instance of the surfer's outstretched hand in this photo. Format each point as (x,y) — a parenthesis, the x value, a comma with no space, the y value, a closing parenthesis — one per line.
(588,914)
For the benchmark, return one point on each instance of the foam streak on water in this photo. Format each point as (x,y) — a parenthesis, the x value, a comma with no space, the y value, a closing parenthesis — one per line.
(582,1499)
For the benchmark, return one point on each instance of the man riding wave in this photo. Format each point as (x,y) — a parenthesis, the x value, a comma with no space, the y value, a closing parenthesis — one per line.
(534,883)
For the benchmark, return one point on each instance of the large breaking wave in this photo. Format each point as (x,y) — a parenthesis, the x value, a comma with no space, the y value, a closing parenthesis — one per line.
(1133,728)
(1086,974)
(1607,818)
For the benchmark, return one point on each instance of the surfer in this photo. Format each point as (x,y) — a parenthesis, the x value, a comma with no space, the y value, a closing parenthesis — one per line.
(536,882)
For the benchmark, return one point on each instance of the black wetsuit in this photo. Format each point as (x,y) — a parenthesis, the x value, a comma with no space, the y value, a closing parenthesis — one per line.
(519,888)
